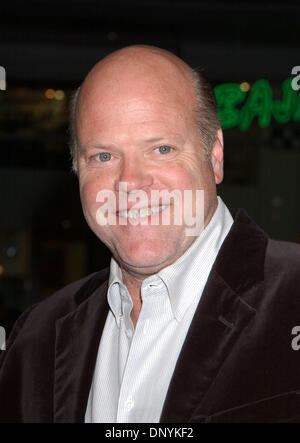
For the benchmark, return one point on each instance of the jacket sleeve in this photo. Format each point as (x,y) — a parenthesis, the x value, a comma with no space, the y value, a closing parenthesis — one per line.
(11,379)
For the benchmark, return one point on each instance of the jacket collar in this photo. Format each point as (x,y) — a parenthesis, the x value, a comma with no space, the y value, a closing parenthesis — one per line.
(240,261)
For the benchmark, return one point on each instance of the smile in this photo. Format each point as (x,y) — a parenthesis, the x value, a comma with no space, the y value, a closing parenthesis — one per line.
(140,213)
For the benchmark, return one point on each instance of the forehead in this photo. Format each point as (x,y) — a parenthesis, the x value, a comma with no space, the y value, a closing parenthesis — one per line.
(145,109)
(137,107)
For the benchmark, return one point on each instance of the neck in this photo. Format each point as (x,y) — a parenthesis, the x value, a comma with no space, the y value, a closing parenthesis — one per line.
(133,284)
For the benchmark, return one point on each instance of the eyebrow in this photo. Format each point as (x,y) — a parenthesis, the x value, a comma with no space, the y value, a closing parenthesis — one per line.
(157,139)
(146,140)
(97,146)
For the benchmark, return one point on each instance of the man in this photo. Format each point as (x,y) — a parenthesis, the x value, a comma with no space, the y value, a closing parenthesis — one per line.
(181,328)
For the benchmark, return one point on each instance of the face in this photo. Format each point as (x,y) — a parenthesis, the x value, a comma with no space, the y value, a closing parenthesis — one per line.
(147,139)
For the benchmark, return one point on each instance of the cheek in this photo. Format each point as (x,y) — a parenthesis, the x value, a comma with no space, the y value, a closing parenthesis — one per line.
(88,193)
(185,176)
(187,171)
(201,174)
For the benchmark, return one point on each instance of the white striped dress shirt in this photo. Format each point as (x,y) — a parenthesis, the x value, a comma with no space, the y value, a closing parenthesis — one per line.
(134,366)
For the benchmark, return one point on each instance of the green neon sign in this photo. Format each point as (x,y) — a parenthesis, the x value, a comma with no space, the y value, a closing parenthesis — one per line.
(257,103)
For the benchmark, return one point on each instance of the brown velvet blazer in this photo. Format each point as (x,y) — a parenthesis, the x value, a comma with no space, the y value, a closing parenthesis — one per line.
(236,365)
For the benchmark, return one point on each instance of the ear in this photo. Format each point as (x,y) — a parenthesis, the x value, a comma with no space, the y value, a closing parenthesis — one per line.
(217,157)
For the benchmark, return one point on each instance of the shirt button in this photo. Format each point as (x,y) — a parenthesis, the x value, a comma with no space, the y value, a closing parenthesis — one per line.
(129,403)
(129,333)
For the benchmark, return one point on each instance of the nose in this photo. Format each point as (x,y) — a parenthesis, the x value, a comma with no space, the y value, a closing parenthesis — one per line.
(135,173)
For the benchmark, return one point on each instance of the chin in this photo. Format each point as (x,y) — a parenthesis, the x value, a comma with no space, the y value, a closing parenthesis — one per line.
(145,257)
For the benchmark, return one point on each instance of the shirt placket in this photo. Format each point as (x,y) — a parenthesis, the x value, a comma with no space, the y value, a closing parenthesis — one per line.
(132,367)
(126,332)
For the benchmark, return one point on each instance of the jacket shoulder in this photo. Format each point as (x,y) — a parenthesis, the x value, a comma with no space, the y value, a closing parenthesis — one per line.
(69,297)
(42,316)
(282,276)
(283,257)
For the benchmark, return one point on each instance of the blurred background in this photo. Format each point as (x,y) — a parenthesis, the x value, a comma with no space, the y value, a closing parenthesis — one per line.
(47,48)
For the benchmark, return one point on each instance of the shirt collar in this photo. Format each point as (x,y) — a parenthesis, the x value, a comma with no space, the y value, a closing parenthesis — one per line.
(186,278)
(116,290)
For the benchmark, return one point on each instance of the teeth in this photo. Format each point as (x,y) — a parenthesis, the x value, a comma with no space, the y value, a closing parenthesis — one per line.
(145,212)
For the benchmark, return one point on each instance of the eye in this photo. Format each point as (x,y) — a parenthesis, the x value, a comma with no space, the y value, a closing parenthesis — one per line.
(164,149)
(104,156)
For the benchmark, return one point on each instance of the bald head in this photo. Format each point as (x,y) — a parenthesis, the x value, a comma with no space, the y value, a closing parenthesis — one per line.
(151,72)
(136,64)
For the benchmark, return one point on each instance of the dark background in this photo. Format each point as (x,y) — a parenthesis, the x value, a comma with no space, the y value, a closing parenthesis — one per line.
(49,46)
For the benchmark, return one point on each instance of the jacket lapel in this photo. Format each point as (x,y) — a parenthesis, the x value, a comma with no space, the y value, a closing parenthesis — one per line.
(77,339)
(223,313)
